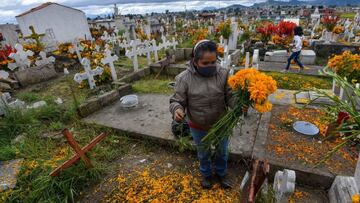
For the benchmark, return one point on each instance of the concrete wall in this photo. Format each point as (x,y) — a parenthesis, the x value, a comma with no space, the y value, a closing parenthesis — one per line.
(9,33)
(67,23)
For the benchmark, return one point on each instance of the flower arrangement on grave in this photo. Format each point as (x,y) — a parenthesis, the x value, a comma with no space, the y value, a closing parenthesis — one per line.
(200,35)
(63,50)
(266,31)
(251,89)
(346,65)
(285,29)
(342,113)
(338,29)
(36,48)
(329,22)
(4,56)
(224,29)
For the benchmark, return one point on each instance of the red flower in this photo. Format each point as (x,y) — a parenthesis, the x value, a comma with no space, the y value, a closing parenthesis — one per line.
(342,116)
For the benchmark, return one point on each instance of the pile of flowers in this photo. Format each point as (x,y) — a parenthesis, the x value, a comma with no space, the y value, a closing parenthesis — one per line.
(330,22)
(282,32)
(4,56)
(251,89)
(224,29)
(338,30)
(346,65)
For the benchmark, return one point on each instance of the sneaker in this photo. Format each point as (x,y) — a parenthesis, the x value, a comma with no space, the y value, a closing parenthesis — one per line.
(284,71)
(225,182)
(206,182)
(300,70)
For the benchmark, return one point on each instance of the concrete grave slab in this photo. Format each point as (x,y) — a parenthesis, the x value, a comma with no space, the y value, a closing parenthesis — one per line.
(151,119)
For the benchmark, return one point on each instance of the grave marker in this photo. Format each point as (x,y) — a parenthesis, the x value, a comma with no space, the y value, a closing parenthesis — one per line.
(247,60)
(88,74)
(109,59)
(255,59)
(20,57)
(284,185)
(44,60)
(80,152)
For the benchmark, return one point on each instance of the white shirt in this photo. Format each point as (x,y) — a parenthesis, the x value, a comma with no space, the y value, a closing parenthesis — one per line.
(297,43)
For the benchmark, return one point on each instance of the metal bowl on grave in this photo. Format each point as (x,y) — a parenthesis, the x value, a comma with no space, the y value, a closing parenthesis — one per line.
(305,128)
(129,101)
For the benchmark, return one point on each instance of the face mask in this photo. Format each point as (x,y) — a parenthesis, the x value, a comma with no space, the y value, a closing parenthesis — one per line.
(207,71)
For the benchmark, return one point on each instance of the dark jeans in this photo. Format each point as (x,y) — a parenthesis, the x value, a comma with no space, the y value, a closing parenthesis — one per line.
(204,155)
(295,56)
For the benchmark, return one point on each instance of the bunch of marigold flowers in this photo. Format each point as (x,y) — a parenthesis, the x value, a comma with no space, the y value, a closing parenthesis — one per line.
(251,89)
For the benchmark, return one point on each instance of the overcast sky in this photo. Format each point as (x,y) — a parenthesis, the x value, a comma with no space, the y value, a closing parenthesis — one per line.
(10,8)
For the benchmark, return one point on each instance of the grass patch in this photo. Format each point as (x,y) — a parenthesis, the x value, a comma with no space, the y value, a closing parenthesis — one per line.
(151,85)
(292,81)
(42,155)
(348,15)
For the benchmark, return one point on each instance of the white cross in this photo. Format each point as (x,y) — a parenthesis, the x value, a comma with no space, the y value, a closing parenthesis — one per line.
(155,49)
(109,59)
(44,60)
(20,57)
(76,49)
(88,74)
(225,63)
(134,53)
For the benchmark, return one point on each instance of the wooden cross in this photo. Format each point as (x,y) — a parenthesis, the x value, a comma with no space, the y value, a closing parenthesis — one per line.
(80,152)
(35,36)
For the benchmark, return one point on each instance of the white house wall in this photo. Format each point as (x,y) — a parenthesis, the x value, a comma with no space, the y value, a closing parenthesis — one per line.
(67,23)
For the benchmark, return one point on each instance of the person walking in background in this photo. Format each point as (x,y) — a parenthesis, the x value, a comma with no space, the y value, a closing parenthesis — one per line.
(296,47)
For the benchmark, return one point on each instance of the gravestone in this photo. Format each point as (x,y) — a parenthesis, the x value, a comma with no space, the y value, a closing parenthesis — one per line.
(35,74)
(344,187)
(7,102)
(255,59)
(76,49)
(44,60)
(307,57)
(284,185)
(21,58)
(88,74)
(276,56)
(109,59)
(247,60)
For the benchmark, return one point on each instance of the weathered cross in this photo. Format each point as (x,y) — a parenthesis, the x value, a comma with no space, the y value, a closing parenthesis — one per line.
(20,57)
(109,59)
(88,74)
(35,36)
(80,152)
(134,53)
(77,49)
(44,60)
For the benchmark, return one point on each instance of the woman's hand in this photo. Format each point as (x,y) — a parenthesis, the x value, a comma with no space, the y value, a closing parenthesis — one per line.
(179,115)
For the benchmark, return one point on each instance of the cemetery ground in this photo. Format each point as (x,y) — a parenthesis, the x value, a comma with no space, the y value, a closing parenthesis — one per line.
(36,137)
